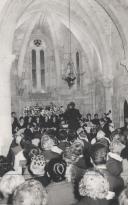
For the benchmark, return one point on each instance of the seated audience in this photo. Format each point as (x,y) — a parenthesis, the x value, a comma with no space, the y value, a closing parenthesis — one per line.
(81,161)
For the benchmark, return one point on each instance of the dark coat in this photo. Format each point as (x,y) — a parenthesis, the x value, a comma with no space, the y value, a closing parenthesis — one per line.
(60,194)
(116,182)
(72,117)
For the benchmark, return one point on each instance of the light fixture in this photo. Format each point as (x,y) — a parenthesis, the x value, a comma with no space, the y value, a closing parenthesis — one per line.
(69,75)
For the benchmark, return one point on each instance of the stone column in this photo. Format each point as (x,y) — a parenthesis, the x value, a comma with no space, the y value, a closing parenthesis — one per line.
(56,46)
(108,85)
(5,103)
(93,98)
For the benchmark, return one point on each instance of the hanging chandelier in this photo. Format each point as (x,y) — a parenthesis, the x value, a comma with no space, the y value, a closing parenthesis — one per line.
(69,75)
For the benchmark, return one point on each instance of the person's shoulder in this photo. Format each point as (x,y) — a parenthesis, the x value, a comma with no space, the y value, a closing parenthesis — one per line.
(77,110)
(123,129)
(56,185)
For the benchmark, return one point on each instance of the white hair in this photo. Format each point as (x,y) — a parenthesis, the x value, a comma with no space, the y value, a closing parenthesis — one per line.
(9,182)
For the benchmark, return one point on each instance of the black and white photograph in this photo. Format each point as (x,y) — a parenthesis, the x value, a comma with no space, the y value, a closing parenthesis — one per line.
(63,102)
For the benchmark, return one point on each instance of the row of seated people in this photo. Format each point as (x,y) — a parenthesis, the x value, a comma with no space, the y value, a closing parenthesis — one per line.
(70,119)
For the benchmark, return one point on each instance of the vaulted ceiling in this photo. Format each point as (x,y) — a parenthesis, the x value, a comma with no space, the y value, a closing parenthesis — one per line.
(95,24)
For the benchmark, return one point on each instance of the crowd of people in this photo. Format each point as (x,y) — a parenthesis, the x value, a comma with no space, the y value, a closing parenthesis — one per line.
(59,157)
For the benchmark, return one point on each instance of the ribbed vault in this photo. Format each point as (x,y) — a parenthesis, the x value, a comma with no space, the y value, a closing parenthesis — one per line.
(87,25)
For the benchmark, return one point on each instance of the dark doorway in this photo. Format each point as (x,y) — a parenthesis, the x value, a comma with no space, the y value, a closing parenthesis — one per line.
(125,109)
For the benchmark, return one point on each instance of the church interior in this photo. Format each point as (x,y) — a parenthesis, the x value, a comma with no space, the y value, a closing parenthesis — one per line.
(59,54)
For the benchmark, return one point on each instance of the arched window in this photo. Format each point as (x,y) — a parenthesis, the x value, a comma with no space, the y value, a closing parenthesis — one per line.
(42,69)
(78,68)
(34,73)
(38,65)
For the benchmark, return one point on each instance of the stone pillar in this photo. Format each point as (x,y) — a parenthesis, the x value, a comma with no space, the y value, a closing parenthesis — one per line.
(93,99)
(108,85)
(56,45)
(5,103)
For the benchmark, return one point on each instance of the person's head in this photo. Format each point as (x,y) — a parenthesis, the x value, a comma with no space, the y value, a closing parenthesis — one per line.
(13,114)
(56,169)
(9,182)
(123,198)
(72,136)
(46,118)
(72,154)
(30,119)
(30,193)
(68,156)
(111,127)
(62,109)
(37,119)
(42,112)
(71,105)
(123,139)
(94,185)
(96,116)
(35,126)
(88,116)
(46,142)
(104,142)
(126,121)
(116,146)
(31,153)
(102,122)
(32,127)
(62,122)
(81,133)
(37,165)
(50,132)
(100,135)
(21,120)
(55,108)
(62,135)
(77,148)
(25,143)
(12,120)
(116,136)
(36,141)
(18,139)
(99,154)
